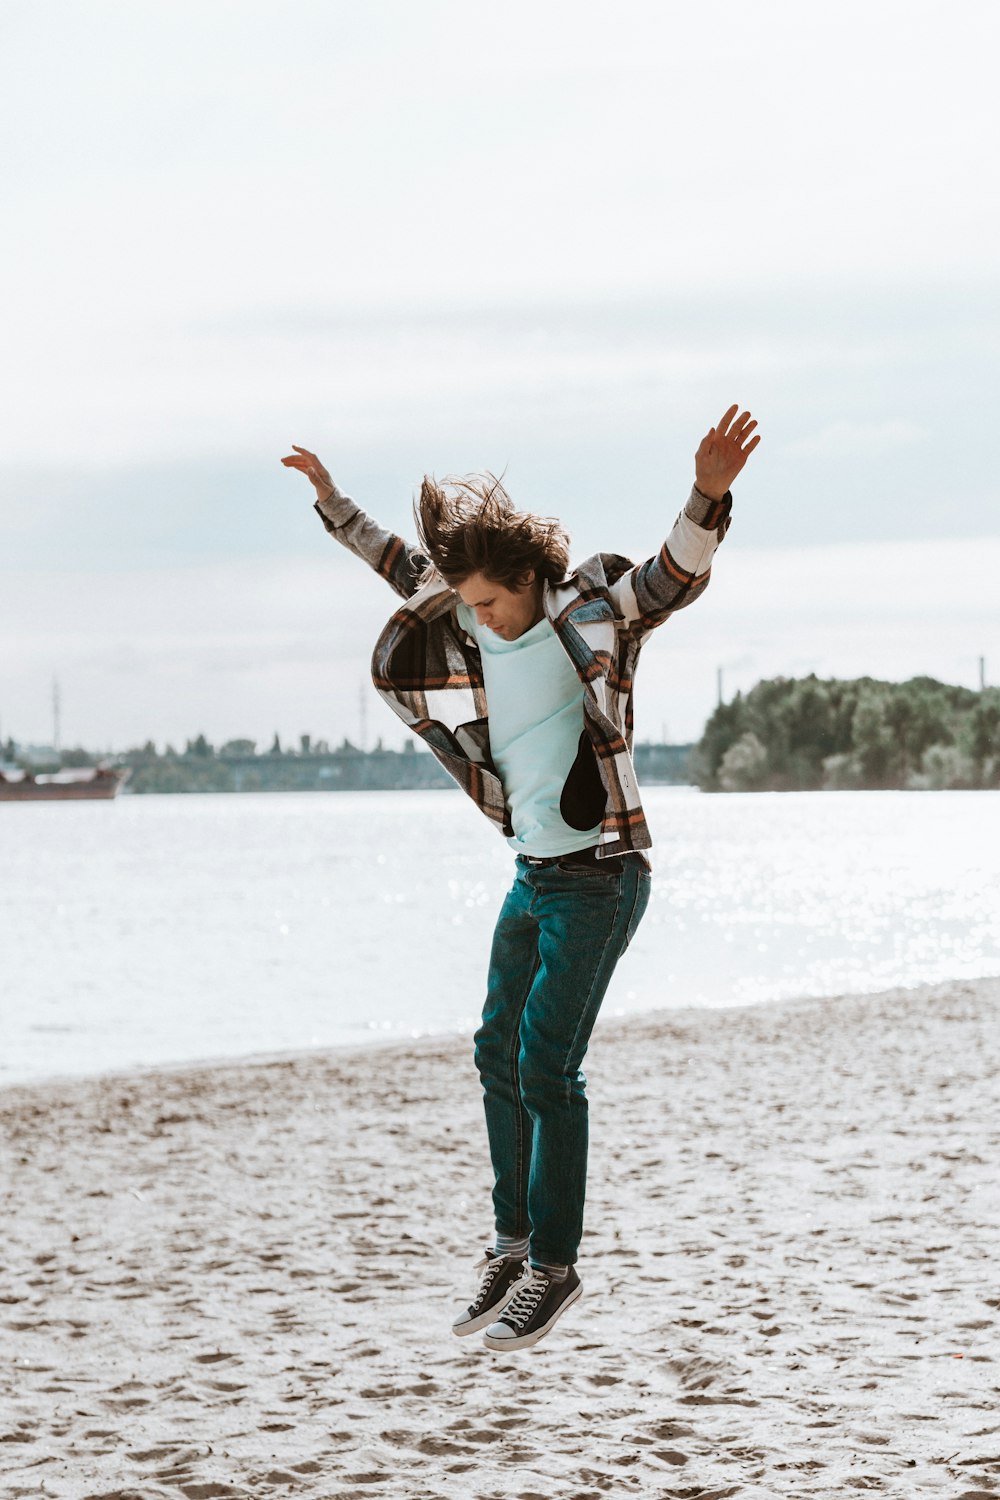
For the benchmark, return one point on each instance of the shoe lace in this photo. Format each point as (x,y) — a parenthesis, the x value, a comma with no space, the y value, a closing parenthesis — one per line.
(523,1303)
(491,1266)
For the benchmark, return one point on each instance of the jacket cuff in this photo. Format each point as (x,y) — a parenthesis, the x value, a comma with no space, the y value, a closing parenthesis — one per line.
(337,507)
(706,513)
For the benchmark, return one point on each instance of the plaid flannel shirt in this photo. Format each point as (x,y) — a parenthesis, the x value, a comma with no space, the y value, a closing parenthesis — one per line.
(429,670)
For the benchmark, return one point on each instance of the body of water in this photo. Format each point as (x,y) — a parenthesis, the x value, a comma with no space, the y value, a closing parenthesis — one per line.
(172,928)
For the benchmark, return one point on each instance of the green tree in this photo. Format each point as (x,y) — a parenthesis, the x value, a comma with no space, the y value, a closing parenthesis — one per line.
(78,757)
(874,742)
(946,766)
(724,727)
(854,733)
(744,766)
(979,736)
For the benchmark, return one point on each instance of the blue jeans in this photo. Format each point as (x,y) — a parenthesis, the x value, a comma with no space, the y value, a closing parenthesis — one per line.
(560,933)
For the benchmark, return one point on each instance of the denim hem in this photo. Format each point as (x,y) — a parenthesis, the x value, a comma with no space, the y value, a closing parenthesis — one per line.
(551,1258)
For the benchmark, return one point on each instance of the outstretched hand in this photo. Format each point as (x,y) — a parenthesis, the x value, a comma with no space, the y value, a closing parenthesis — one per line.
(308,464)
(721,454)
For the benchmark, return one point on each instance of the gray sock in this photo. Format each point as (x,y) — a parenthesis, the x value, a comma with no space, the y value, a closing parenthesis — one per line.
(507,1244)
(558,1273)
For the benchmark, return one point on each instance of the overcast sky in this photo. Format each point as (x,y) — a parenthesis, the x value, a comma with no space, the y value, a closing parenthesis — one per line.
(428,236)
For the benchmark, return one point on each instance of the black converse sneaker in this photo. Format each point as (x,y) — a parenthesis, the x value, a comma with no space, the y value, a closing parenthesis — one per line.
(531,1312)
(502,1275)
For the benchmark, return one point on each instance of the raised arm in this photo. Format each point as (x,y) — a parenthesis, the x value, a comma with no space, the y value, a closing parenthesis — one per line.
(679,573)
(395,560)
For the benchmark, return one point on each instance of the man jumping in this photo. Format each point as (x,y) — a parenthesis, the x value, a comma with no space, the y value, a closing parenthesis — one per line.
(517,672)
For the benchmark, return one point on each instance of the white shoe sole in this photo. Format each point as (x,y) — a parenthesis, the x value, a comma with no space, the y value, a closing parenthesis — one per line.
(525,1340)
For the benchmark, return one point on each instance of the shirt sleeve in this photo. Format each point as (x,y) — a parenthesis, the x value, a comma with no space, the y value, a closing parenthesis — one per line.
(646,595)
(399,562)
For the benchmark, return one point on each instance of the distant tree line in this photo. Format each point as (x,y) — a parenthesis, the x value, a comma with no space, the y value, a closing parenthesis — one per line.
(785,734)
(237,766)
(803,734)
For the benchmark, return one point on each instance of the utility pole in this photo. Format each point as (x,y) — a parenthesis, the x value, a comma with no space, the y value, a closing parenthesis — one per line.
(982,673)
(55,714)
(719,679)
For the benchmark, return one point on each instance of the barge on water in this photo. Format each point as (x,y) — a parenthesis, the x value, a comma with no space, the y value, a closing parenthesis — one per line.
(90,782)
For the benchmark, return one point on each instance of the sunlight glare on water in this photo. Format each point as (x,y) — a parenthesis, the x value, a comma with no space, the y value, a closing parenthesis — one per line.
(156,929)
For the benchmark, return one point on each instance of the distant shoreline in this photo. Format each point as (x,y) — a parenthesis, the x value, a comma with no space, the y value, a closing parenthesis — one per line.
(384,1049)
(201,768)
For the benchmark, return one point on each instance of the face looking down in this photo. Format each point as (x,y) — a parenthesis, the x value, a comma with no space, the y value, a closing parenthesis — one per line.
(507,612)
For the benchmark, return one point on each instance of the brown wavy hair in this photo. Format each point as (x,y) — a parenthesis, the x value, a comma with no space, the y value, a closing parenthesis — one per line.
(469,525)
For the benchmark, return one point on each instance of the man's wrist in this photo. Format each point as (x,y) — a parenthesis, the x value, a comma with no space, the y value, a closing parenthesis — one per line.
(708,495)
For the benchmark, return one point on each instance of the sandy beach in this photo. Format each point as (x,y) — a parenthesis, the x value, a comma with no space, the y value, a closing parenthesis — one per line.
(239,1279)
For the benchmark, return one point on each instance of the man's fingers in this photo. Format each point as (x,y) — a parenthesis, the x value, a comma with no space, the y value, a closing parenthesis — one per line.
(304,461)
(741,428)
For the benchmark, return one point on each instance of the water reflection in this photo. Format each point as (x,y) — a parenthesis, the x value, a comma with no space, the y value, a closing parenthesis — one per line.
(167,928)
